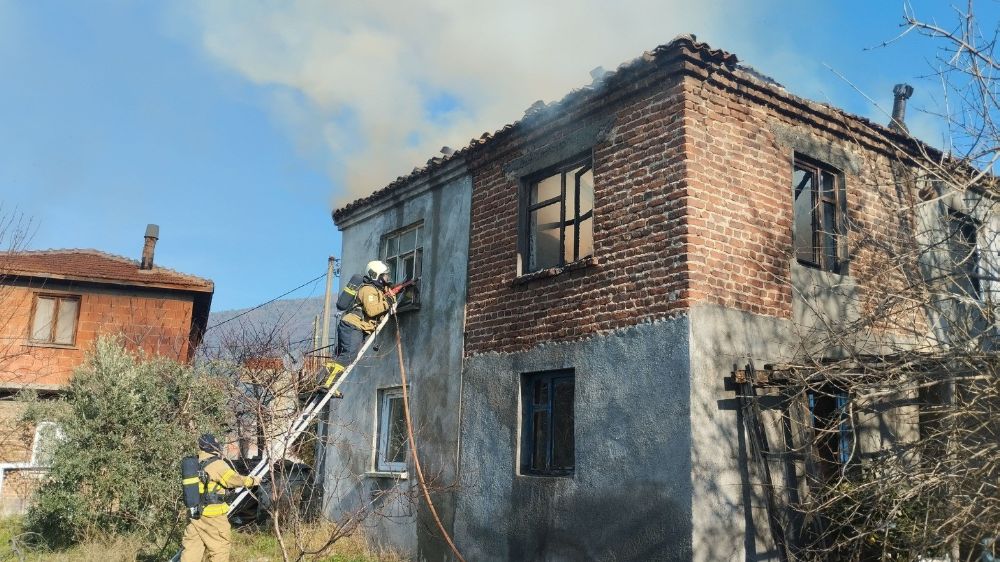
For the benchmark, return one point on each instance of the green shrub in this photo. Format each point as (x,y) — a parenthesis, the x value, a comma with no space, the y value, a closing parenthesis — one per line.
(127,421)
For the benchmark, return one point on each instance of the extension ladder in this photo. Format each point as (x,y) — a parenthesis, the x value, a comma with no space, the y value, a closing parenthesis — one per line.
(299,425)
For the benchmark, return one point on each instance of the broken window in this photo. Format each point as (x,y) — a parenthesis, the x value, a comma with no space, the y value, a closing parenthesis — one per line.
(392,441)
(963,246)
(833,434)
(548,440)
(818,216)
(54,319)
(403,252)
(558,216)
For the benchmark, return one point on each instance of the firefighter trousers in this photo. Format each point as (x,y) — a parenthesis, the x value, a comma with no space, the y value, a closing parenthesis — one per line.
(207,534)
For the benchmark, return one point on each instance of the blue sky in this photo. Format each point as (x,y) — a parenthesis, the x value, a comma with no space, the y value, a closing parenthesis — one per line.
(236,126)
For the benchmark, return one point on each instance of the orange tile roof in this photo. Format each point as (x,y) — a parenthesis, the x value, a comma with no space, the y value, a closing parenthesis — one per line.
(97,267)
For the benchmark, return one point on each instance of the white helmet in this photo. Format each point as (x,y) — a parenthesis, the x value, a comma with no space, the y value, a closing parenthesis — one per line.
(375,269)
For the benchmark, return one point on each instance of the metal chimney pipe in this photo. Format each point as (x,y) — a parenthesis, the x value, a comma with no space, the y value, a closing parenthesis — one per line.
(152,235)
(901,93)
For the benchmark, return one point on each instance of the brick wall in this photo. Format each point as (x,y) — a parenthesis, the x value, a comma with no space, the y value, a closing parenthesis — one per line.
(156,322)
(692,204)
(638,272)
(740,143)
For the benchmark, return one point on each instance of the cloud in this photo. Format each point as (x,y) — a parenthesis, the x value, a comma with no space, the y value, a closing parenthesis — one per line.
(360,84)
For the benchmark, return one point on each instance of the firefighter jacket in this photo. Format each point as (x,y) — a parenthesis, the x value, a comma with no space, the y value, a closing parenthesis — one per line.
(372,304)
(220,477)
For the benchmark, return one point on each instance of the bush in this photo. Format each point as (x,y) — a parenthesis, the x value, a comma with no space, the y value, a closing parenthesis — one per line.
(126,422)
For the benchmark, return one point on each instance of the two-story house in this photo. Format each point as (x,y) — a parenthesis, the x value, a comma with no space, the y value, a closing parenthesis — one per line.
(53,305)
(590,275)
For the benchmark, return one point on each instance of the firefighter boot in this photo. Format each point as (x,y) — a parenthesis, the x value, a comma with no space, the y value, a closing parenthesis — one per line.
(333,370)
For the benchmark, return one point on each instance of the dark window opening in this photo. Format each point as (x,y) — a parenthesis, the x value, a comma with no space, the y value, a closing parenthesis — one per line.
(558,211)
(548,440)
(818,216)
(963,245)
(54,319)
(833,436)
(403,252)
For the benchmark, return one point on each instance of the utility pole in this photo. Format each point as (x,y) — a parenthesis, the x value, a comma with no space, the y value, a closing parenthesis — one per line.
(326,303)
(315,341)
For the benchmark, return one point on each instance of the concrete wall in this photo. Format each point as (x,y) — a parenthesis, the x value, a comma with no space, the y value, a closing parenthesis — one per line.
(432,350)
(729,518)
(630,495)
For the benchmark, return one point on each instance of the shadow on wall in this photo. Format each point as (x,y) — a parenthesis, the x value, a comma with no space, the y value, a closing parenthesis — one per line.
(627,525)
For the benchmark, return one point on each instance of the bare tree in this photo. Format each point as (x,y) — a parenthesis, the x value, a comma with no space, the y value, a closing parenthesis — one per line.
(888,425)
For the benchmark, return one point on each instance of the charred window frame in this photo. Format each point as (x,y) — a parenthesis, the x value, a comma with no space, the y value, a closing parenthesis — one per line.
(403,251)
(548,441)
(819,209)
(392,446)
(557,215)
(963,244)
(54,319)
(833,431)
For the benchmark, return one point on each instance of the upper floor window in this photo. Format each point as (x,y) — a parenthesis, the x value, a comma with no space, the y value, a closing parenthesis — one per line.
(963,245)
(403,252)
(818,215)
(54,319)
(558,216)
(547,423)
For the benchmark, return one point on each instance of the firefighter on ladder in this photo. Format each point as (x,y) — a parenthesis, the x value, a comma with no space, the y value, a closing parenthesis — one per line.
(373,300)
(211,531)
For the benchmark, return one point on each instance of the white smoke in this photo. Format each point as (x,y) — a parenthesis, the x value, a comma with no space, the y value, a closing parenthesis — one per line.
(355,82)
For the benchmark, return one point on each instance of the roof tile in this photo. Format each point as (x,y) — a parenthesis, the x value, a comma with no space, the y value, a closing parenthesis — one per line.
(94,265)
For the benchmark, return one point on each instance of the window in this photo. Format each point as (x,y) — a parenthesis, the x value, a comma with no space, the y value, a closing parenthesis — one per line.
(547,440)
(963,245)
(403,252)
(558,216)
(54,319)
(833,439)
(392,442)
(818,216)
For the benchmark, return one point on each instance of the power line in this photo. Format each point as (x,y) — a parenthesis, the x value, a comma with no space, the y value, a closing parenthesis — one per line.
(249,310)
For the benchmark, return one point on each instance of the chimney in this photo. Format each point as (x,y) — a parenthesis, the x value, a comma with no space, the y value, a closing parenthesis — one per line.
(901,93)
(152,235)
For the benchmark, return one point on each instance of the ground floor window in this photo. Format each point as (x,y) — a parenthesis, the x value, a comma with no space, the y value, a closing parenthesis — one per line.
(833,431)
(392,442)
(548,445)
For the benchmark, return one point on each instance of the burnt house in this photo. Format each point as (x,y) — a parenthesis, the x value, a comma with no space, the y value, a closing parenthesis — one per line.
(590,275)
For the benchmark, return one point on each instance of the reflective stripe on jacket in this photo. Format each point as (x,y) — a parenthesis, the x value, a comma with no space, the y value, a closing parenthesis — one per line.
(372,305)
(221,477)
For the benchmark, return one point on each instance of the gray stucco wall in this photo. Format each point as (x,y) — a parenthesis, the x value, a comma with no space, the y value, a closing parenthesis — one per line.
(630,495)
(432,349)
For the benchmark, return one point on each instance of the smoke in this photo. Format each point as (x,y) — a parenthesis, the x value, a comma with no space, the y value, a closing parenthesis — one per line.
(372,89)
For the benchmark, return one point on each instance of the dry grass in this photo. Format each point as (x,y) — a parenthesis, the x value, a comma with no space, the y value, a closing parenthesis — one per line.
(259,546)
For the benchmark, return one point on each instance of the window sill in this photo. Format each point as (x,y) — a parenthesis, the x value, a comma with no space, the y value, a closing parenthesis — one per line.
(385,474)
(49,344)
(590,261)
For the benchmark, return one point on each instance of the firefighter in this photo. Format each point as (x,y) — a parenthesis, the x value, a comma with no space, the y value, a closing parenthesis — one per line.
(374,299)
(211,531)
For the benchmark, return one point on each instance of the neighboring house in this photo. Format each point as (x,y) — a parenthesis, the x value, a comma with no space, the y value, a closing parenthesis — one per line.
(590,275)
(54,305)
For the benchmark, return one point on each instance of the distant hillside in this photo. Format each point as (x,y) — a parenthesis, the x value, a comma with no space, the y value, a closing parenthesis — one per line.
(288,323)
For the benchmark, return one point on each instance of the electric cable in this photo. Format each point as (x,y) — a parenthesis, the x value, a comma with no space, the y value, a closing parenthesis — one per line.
(249,310)
(413,447)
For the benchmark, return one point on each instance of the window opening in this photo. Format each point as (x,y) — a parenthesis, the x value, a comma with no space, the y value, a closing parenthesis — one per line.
(559,216)
(548,439)
(817,215)
(55,319)
(393,445)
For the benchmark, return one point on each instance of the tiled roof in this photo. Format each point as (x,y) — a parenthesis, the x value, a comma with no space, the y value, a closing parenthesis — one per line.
(539,107)
(700,51)
(96,266)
